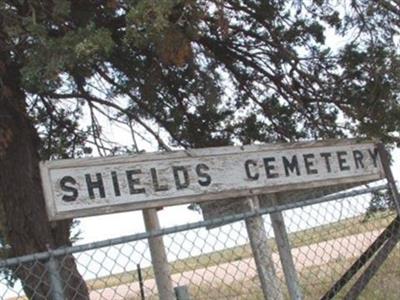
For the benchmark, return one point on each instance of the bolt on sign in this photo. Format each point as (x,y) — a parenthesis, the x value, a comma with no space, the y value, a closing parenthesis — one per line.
(84,187)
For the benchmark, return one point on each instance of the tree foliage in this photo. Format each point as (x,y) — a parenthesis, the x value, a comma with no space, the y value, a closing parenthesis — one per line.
(211,72)
(381,201)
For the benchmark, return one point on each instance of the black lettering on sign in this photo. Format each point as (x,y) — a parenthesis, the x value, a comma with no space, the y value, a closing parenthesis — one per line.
(358,159)
(269,167)
(115,182)
(206,178)
(326,156)
(249,174)
(179,184)
(156,184)
(309,163)
(291,166)
(133,181)
(342,161)
(374,156)
(98,184)
(67,185)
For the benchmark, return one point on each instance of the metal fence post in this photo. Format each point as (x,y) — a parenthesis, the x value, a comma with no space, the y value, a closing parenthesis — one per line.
(57,290)
(373,267)
(385,160)
(159,259)
(262,253)
(371,251)
(285,254)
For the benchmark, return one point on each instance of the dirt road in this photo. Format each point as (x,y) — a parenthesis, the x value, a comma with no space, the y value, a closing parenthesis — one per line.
(305,256)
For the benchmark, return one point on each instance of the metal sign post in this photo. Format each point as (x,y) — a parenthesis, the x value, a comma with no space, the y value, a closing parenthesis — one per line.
(159,259)
(285,254)
(262,253)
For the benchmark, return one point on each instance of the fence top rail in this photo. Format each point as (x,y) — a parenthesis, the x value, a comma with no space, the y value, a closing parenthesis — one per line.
(179,228)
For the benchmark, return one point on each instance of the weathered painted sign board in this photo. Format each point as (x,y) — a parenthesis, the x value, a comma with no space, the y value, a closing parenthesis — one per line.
(83,187)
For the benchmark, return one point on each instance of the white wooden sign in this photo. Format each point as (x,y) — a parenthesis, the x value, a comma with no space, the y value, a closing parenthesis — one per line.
(83,187)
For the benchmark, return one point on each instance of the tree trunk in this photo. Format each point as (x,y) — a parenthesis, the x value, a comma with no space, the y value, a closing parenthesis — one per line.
(25,225)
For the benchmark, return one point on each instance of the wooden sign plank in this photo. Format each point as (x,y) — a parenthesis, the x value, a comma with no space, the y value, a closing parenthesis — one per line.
(83,187)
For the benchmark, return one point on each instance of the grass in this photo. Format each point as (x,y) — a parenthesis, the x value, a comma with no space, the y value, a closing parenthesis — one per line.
(319,234)
(314,282)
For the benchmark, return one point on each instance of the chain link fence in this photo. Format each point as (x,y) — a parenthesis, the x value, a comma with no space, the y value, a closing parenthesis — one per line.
(334,241)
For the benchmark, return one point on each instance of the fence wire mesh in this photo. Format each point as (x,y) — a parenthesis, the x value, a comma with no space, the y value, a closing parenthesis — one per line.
(330,238)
